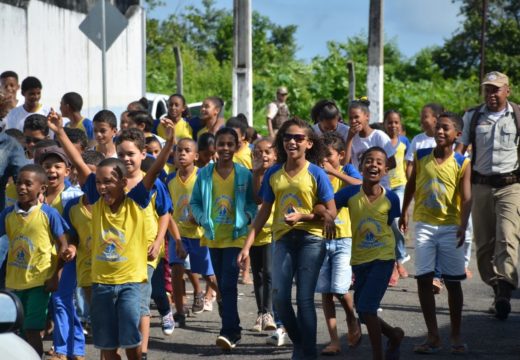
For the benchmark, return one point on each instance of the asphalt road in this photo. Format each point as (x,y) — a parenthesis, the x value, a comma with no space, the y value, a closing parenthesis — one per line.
(486,337)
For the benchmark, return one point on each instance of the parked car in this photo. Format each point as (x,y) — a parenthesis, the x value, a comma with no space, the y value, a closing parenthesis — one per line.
(12,346)
(158,105)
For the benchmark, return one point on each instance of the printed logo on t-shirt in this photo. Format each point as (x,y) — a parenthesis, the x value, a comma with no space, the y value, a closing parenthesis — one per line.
(183,204)
(224,206)
(112,245)
(22,252)
(435,190)
(368,229)
(289,203)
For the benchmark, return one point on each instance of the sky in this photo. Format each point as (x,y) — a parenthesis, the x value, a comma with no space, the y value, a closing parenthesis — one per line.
(414,24)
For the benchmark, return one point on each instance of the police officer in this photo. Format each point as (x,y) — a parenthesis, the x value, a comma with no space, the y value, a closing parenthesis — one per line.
(277,111)
(492,131)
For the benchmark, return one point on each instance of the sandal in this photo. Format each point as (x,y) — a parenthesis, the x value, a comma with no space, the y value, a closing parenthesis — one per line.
(461,349)
(426,349)
(330,350)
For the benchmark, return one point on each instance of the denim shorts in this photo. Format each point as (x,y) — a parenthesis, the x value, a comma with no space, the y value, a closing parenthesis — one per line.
(115,315)
(370,286)
(199,257)
(335,273)
(146,292)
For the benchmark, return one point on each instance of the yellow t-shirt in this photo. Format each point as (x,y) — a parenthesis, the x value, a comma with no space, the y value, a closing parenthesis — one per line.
(85,125)
(32,256)
(244,156)
(343,227)
(299,193)
(223,213)
(397,175)
(180,193)
(57,203)
(79,219)
(372,235)
(120,239)
(202,131)
(437,194)
(11,196)
(265,236)
(182,130)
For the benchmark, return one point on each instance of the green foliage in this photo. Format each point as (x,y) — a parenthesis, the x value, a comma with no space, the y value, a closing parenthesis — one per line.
(446,75)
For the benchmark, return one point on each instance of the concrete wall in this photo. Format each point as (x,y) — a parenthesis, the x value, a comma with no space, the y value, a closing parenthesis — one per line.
(44,40)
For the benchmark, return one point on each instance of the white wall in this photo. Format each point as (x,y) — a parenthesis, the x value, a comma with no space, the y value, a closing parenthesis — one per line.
(45,41)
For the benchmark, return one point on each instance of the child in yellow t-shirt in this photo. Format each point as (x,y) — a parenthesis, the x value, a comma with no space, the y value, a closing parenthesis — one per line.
(440,182)
(120,244)
(222,203)
(180,185)
(178,113)
(34,231)
(335,273)
(372,210)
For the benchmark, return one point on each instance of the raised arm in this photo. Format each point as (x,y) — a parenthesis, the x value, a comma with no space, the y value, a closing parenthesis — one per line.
(161,159)
(55,123)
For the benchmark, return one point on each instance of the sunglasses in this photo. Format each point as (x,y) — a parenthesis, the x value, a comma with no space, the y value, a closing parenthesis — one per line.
(296,137)
(32,140)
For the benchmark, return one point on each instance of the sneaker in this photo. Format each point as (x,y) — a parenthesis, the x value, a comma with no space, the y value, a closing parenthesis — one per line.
(168,324)
(208,304)
(198,303)
(227,342)
(394,278)
(278,338)
(179,320)
(268,323)
(257,327)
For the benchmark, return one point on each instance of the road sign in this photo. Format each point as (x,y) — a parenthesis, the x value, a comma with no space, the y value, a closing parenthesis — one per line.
(92,26)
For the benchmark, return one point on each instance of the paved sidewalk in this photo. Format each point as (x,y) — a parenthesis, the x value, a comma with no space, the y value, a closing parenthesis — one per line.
(486,337)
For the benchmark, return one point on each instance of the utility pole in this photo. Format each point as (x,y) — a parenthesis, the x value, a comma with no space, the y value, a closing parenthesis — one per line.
(375,61)
(242,60)
(180,69)
(351,80)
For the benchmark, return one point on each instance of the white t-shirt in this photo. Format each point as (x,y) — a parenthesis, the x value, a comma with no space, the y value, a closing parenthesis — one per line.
(421,141)
(376,138)
(16,117)
(341,130)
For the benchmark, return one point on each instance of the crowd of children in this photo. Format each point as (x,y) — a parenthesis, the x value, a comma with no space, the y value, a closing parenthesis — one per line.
(124,214)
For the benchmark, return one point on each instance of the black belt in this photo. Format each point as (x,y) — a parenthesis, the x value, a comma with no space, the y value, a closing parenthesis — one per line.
(496,181)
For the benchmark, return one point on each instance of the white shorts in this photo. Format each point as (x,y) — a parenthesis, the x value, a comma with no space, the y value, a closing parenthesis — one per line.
(436,247)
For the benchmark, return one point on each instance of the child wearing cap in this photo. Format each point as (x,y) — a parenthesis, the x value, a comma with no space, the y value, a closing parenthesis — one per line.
(67,336)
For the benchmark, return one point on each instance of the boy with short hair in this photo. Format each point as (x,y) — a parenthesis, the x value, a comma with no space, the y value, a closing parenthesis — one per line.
(32,92)
(244,155)
(119,245)
(70,107)
(209,114)
(9,85)
(34,231)
(35,129)
(372,210)
(105,129)
(180,184)
(440,182)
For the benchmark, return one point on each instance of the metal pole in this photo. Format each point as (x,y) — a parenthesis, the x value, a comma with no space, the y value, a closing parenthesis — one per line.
(483,41)
(143,50)
(375,61)
(103,53)
(180,70)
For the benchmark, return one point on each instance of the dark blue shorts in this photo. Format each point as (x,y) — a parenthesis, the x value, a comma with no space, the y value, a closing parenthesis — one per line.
(370,283)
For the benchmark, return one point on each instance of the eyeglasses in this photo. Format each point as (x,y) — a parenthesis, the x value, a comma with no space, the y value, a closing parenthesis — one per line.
(32,140)
(296,137)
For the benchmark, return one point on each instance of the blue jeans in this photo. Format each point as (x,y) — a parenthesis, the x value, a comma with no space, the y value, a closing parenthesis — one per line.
(158,289)
(400,248)
(68,337)
(226,271)
(299,254)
